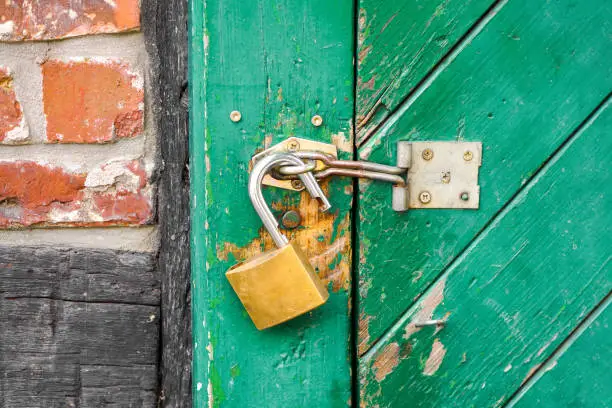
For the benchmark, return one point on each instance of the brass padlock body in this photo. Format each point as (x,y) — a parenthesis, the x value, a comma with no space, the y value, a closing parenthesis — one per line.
(277,286)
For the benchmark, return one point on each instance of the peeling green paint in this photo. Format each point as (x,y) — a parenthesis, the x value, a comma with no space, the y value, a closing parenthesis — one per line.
(271,61)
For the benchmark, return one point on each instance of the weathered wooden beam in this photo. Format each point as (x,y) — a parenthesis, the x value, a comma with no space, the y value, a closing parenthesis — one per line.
(164,24)
(78,327)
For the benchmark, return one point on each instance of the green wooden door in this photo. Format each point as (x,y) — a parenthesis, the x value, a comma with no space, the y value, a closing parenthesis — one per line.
(278,63)
(523,282)
(531,79)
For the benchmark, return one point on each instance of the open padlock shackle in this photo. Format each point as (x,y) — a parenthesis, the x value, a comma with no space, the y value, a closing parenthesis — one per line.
(263,167)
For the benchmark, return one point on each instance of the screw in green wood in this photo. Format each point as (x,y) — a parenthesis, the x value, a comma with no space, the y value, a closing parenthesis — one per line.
(291,219)
(316,120)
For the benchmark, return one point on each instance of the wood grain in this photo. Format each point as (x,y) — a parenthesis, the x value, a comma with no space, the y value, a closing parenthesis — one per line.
(165,28)
(578,373)
(521,86)
(278,63)
(78,327)
(514,295)
(399,43)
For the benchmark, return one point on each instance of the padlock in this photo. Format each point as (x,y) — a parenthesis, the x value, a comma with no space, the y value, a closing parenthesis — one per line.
(278,285)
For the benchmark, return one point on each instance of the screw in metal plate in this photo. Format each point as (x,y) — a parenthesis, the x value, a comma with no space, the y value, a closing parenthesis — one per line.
(291,219)
(427,154)
(297,184)
(446,177)
(293,146)
(465,196)
(425,197)
(235,116)
(468,155)
(316,120)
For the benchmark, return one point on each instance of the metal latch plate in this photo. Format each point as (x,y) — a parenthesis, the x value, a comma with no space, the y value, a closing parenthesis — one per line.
(444,175)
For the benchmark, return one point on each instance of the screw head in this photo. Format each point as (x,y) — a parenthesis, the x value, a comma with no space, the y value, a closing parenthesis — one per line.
(425,197)
(235,116)
(427,154)
(316,120)
(465,196)
(293,146)
(468,155)
(291,219)
(297,184)
(446,177)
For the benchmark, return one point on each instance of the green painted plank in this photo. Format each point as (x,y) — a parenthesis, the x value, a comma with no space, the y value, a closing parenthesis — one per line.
(521,86)
(578,374)
(278,63)
(513,295)
(399,42)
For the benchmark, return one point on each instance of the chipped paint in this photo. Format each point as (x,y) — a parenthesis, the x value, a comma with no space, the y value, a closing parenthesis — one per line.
(548,343)
(342,142)
(426,308)
(330,257)
(436,356)
(386,361)
(363,334)
(531,371)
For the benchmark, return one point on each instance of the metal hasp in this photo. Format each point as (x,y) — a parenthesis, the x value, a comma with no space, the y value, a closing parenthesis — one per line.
(426,174)
(293,145)
(443,174)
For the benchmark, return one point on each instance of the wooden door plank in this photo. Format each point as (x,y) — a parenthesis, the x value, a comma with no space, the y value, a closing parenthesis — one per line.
(578,374)
(513,295)
(399,42)
(278,63)
(521,87)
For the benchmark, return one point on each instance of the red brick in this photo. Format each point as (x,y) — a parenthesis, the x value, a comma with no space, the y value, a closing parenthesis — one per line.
(53,19)
(13,128)
(35,194)
(91,101)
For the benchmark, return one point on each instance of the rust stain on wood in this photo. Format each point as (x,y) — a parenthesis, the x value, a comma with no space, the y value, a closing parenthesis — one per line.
(436,356)
(327,246)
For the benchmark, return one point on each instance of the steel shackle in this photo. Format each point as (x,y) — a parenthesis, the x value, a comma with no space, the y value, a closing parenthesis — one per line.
(263,167)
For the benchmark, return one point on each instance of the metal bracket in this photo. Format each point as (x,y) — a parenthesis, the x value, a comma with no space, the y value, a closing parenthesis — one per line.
(443,174)
(427,174)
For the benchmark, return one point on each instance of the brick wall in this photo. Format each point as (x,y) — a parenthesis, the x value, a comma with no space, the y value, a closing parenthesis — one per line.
(77,139)
(79,327)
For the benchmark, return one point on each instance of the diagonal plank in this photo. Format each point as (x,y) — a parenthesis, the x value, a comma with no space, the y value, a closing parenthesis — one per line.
(398,42)
(521,86)
(513,296)
(578,373)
